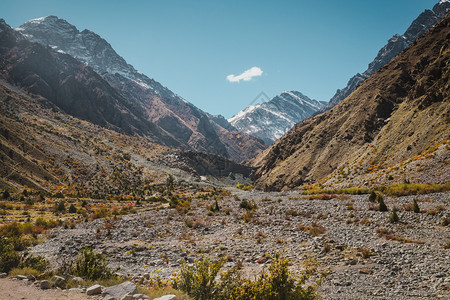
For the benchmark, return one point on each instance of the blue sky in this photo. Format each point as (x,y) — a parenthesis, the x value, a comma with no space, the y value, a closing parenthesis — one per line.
(192,46)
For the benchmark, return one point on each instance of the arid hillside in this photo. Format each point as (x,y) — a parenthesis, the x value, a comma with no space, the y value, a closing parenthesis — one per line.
(393,128)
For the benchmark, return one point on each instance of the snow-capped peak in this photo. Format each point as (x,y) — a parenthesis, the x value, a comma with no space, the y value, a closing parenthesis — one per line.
(89,48)
(271,119)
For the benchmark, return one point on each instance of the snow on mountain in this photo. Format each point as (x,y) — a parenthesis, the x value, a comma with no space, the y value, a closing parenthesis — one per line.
(394,46)
(271,120)
(174,117)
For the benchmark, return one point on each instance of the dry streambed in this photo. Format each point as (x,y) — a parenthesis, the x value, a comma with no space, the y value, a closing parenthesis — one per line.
(367,256)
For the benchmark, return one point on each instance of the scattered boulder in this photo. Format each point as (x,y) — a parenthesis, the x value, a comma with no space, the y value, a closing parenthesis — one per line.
(3,275)
(94,290)
(59,281)
(45,284)
(139,296)
(21,277)
(31,278)
(120,290)
(167,297)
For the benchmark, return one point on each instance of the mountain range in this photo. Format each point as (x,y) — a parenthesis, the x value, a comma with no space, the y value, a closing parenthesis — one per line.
(394,46)
(272,119)
(74,113)
(393,128)
(157,112)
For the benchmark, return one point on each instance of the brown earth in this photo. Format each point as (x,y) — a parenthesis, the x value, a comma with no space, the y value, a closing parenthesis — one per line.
(18,290)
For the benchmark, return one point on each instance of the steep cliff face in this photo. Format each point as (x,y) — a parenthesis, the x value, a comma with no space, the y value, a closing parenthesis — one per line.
(395,116)
(270,120)
(395,45)
(189,127)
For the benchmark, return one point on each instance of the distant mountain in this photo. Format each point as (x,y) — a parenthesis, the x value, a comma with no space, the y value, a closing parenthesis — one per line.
(181,121)
(395,45)
(270,120)
(393,128)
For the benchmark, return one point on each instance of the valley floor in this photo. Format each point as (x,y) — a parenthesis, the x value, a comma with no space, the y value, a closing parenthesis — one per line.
(367,256)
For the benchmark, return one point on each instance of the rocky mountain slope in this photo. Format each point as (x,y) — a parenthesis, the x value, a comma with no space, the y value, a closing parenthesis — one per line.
(270,120)
(395,45)
(185,125)
(43,148)
(71,86)
(393,128)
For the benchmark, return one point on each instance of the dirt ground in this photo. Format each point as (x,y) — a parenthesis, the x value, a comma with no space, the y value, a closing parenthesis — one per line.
(17,290)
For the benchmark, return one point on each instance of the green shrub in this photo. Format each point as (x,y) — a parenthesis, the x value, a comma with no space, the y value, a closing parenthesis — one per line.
(202,281)
(72,209)
(244,187)
(38,263)
(446,221)
(60,207)
(415,189)
(214,208)
(383,206)
(416,208)
(170,181)
(199,281)
(394,216)
(14,233)
(9,258)
(372,196)
(247,205)
(6,194)
(92,266)
(23,271)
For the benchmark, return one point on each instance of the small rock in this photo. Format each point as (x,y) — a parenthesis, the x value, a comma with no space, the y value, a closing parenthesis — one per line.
(166,297)
(21,277)
(76,290)
(366,271)
(94,290)
(139,296)
(127,297)
(77,280)
(31,278)
(120,290)
(45,284)
(59,281)
(3,275)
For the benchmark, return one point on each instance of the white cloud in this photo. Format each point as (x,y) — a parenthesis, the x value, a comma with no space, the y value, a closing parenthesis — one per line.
(246,75)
